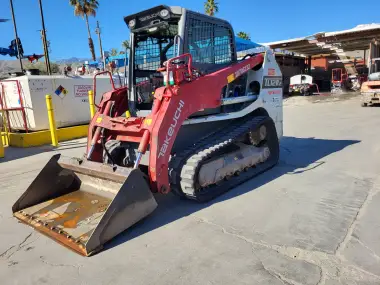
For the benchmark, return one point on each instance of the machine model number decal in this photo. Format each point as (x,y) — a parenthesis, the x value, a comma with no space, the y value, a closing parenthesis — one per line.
(169,134)
(238,72)
(272,82)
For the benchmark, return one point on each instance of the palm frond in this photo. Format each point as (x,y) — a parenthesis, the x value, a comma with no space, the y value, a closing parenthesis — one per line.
(243,35)
(211,7)
(216,7)
(90,8)
(84,7)
(78,10)
(125,44)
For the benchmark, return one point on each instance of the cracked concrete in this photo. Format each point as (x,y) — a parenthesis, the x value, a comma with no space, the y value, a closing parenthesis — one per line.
(15,248)
(329,265)
(311,220)
(77,267)
(355,220)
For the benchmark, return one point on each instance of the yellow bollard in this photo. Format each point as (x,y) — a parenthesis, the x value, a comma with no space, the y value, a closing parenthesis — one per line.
(4,135)
(91,102)
(53,129)
(1,147)
(4,138)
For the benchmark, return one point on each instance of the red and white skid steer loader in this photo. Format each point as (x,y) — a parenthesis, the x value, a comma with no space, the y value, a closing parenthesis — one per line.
(208,123)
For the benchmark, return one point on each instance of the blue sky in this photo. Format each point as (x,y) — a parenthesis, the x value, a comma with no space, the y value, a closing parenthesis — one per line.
(264,20)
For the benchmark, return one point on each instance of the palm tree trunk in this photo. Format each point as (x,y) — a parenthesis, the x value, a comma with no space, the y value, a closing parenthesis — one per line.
(88,27)
(90,42)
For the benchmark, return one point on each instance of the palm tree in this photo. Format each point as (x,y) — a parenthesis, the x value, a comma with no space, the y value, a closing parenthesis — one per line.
(244,36)
(125,45)
(85,8)
(113,51)
(211,7)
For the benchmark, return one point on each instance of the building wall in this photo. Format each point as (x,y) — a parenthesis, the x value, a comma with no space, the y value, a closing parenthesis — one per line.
(290,66)
(320,62)
(322,67)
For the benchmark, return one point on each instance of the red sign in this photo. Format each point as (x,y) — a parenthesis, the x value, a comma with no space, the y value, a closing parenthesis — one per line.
(274,92)
(81,90)
(271,71)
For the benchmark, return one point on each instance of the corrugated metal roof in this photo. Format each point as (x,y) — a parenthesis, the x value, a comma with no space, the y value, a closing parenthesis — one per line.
(358,28)
(282,42)
(328,43)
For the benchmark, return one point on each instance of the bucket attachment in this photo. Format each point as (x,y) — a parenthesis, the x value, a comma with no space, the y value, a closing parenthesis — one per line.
(83,204)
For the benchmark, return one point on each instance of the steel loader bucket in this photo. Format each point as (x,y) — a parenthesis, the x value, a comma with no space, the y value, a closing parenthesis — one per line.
(82,205)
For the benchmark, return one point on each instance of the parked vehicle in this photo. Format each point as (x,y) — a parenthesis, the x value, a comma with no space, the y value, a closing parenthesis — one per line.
(302,84)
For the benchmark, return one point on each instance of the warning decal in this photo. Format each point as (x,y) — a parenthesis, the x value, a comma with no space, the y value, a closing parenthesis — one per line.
(61,91)
(82,90)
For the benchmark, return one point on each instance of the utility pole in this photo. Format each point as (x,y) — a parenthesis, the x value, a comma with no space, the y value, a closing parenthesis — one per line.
(98,32)
(17,40)
(44,42)
(46,51)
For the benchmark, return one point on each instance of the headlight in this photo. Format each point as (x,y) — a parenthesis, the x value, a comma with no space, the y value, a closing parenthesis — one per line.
(132,23)
(151,30)
(164,14)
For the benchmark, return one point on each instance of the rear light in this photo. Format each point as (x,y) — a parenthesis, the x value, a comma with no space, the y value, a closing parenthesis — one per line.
(291,85)
(132,23)
(164,14)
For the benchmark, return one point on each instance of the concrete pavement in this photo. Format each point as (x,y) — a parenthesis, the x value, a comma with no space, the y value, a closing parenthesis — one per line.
(313,219)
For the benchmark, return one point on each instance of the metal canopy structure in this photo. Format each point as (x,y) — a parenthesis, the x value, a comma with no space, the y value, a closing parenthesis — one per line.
(331,43)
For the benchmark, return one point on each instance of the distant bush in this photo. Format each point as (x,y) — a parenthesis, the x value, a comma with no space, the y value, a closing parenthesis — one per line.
(40,65)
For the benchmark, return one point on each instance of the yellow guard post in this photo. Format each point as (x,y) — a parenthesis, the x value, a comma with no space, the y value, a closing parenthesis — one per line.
(91,102)
(1,147)
(53,129)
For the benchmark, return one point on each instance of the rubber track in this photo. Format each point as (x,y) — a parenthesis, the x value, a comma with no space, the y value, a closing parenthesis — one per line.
(183,168)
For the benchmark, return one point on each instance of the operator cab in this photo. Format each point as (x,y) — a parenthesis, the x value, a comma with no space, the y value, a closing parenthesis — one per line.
(164,32)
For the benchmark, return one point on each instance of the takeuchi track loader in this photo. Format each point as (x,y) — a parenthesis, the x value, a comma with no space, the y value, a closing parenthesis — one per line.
(201,123)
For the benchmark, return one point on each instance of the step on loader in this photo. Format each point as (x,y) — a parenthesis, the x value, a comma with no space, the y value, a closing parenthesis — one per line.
(202,122)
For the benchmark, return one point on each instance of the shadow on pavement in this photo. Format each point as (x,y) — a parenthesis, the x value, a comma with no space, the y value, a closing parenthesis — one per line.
(297,155)
(325,97)
(13,153)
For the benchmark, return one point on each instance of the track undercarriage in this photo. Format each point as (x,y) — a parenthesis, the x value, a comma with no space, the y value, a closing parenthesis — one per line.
(217,162)
(225,159)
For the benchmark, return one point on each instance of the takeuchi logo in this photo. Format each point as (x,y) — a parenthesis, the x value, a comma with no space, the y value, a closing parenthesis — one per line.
(171,130)
(148,17)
